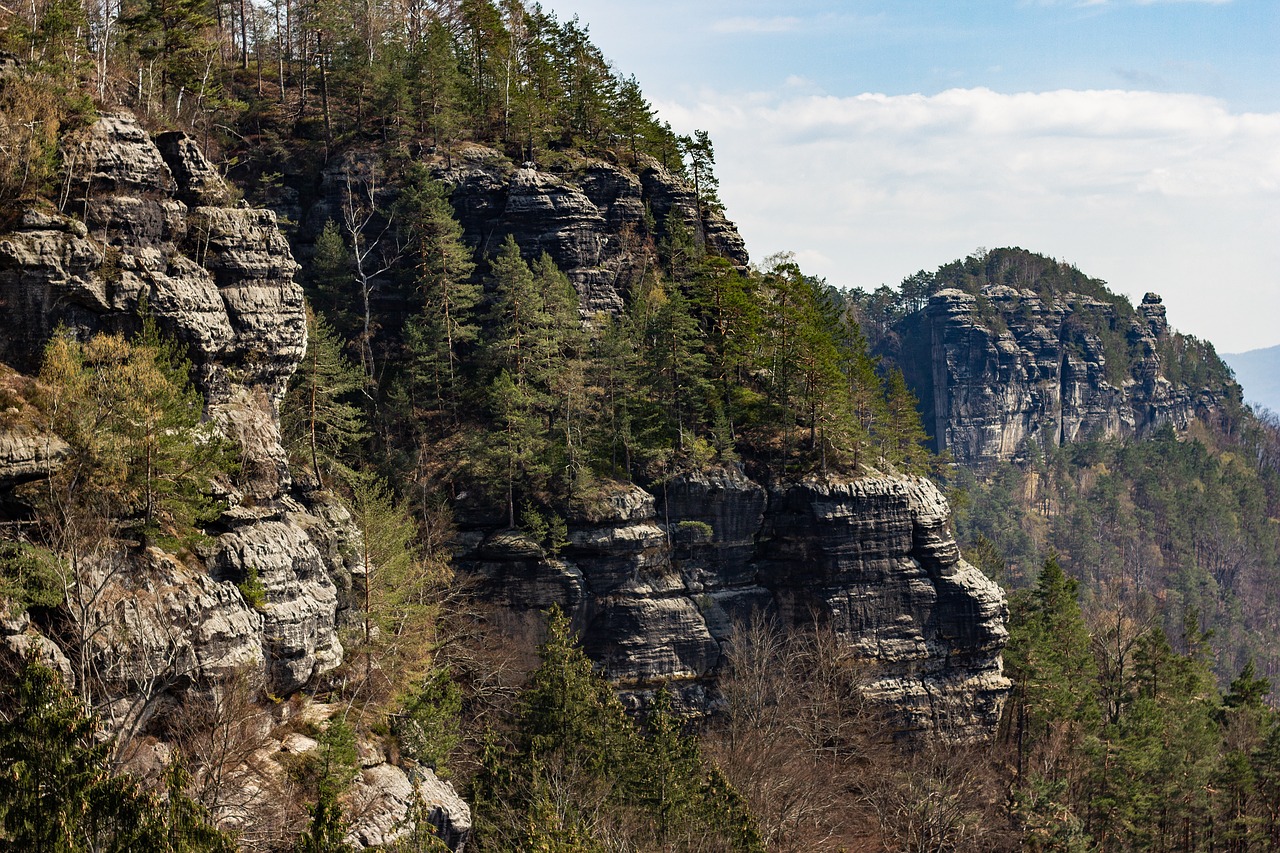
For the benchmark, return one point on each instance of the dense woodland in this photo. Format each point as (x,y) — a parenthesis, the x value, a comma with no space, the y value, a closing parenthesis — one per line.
(1132,564)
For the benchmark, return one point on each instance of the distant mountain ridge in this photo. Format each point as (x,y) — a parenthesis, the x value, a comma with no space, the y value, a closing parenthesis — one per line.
(1258,372)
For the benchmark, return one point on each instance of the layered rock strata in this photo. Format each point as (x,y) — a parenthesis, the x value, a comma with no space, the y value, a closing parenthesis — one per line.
(592,222)
(150,225)
(597,222)
(658,582)
(1001,370)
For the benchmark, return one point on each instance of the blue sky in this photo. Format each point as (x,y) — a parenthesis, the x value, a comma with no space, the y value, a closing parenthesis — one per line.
(1139,139)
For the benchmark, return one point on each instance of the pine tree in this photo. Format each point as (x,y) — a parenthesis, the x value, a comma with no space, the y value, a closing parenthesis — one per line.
(612,376)
(319,423)
(1053,710)
(173,36)
(674,370)
(446,326)
(56,791)
(634,116)
(701,158)
(863,389)
(434,66)
(537,398)
(902,438)
(331,278)
(1049,653)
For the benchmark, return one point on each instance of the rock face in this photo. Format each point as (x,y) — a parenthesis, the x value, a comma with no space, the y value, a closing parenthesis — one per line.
(1000,370)
(152,222)
(598,222)
(220,279)
(656,583)
(592,222)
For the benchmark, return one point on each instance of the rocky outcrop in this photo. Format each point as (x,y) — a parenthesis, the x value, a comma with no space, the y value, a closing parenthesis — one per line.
(150,225)
(220,280)
(657,583)
(385,798)
(591,221)
(598,221)
(1002,369)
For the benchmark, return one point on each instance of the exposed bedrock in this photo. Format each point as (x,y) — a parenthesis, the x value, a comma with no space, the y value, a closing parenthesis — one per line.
(150,225)
(657,582)
(597,221)
(1001,370)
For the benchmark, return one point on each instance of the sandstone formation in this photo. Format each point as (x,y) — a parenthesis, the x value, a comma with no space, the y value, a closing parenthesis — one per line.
(220,279)
(1000,370)
(590,221)
(594,221)
(657,582)
(151,223)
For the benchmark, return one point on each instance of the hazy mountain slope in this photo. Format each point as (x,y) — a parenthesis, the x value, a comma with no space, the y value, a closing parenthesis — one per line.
(1258,372)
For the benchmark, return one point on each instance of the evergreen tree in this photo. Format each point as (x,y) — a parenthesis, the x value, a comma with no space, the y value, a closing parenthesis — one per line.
(331,277)
(679,247)
(434,67)
(902,438)
(612,373)
(318,422)
(634,116)
(576,774)
(537,398)
(686,800)
(56,791)
(701,158)
(1053,712)
(173,38)
(438,336)
(862,389)
(675,369)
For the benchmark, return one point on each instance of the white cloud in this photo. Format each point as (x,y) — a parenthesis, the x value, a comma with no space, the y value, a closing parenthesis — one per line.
(779,24)
(1166,192)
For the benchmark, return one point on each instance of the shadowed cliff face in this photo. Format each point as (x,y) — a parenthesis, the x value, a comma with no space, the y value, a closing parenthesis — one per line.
(595,221)
(590,222)
(657,583)
(998,371)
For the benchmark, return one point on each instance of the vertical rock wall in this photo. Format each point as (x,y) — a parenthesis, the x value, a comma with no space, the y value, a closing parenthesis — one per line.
(150,222)
(1001,370)
(658,582)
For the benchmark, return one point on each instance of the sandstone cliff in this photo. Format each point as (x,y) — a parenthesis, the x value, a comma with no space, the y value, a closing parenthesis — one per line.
(1003,368)
(657,582)
(597,220)
(151,220)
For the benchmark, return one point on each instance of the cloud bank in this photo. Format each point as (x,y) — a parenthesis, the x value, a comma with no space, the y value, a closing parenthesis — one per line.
(1173,193)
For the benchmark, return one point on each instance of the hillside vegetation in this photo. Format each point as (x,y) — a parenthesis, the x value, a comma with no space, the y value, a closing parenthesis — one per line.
(442,375)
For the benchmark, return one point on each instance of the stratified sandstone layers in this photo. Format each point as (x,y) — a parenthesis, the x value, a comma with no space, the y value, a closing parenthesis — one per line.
(150,223)
(657,583)
(1000,370)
